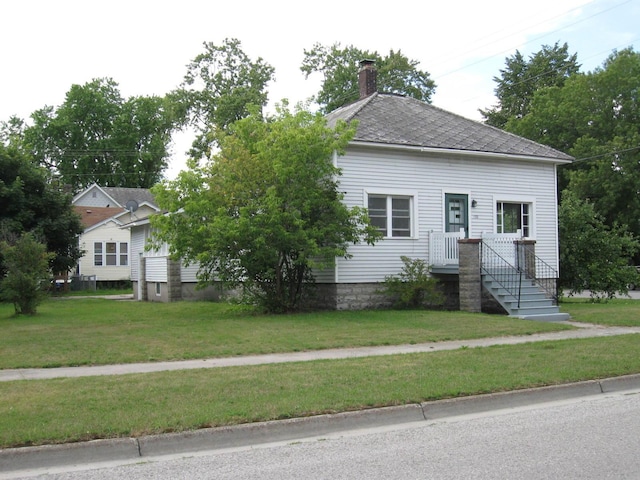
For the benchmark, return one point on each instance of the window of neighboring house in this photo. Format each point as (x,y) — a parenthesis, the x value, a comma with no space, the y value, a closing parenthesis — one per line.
(112,254)
(158,289)
(124,254)
(512,217)
(97,254)
(391,214)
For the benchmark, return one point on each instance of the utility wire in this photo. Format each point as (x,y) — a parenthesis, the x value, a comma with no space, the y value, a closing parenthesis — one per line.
(614,152)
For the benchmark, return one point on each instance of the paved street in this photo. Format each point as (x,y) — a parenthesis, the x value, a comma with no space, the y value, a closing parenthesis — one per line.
(587,438)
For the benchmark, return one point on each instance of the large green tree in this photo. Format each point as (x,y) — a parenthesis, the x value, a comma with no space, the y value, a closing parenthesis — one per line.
(521,78)
(593,255)
(596,118)
(219,88)
(98,136)
(29,202)
(266,209)
(339,67)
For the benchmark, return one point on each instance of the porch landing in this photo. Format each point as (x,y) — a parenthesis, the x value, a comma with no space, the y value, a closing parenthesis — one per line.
(450,269)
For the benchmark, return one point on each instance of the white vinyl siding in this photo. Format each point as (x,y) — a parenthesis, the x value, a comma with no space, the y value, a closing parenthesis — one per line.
(138,238)
(156,269)
(486,180)
(96,261)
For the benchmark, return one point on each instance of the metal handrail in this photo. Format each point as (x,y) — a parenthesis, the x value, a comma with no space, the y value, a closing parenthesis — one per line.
(508,276)
(527,264)
(543,274)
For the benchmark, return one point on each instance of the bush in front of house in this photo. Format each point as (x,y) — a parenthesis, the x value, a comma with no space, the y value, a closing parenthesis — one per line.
(413,287)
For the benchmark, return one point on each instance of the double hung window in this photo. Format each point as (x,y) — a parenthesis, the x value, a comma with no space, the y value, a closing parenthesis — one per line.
(391,214)
(111,254)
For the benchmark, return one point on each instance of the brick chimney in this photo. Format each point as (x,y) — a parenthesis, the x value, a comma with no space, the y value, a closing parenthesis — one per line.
(367,78)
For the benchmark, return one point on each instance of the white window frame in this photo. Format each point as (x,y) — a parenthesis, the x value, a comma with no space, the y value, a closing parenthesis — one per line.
(411,195)
(118,254)
(516,199)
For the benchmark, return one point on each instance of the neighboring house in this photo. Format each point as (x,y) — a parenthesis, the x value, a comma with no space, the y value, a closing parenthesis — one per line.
(103,212)
(430,178)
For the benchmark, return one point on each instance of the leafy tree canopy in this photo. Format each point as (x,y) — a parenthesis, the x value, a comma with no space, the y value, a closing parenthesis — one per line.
(30,203)
(98,136)
(596,118)
(593,255)
(219,88)
(339,67)
(266,209)
(521,78)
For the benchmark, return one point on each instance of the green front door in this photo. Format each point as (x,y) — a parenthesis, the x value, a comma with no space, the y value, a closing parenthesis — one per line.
(456,212)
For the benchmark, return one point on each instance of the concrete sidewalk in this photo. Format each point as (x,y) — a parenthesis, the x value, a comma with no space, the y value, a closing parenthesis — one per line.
(583,331)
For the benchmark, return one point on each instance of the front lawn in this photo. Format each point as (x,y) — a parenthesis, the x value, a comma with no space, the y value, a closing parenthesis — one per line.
(76,409)
(618,312)
(68,332)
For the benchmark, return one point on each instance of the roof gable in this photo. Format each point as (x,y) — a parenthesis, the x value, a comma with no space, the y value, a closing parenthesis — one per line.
(91,216)
(122,195)
(397,120)
(97,196)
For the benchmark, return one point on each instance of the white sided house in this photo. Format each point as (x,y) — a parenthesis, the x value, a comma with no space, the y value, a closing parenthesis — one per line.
(476,203)
(158,278)
(440,186)
(103,212)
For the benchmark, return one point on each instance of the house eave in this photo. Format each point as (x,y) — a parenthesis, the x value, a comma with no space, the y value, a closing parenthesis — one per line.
(465,153)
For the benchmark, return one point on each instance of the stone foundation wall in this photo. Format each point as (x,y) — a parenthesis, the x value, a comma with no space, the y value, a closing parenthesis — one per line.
(360,296)
(210,293)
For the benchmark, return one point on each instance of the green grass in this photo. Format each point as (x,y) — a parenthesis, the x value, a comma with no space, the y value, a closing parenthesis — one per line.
(617,312)
(68,332)
(63,410)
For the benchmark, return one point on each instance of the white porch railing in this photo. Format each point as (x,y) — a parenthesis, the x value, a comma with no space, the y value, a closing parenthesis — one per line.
(503,244)
(443,247)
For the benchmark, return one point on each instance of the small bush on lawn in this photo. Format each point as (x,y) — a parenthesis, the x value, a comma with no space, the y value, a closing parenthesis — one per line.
(26,281)
(414,287)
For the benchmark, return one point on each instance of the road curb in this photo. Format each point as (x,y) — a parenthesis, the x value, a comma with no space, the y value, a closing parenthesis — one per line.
(246,435)
(277,431)
(68,454)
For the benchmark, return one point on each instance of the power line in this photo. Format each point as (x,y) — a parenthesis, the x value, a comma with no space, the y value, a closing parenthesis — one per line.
(534,38)
(614,152)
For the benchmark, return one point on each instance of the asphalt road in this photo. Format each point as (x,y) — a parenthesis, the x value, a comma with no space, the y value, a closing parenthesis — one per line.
(585,438)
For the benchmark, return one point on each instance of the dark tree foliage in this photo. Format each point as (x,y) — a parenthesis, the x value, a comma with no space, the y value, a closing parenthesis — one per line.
(339,67)
(29,202)
(521,78)
(596,118)
(593,255)
(96,136)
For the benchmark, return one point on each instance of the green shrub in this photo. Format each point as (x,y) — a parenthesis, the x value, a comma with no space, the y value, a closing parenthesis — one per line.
(26,281)
(414,287)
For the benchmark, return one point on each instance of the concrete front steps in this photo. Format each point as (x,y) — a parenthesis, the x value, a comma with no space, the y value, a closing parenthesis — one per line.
(534,302)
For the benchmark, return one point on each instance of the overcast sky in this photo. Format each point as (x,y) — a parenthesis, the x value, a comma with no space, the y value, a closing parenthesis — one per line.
(144,45)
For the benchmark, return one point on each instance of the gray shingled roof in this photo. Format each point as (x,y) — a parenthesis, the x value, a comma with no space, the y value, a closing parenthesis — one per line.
(397,120)
(122,195)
